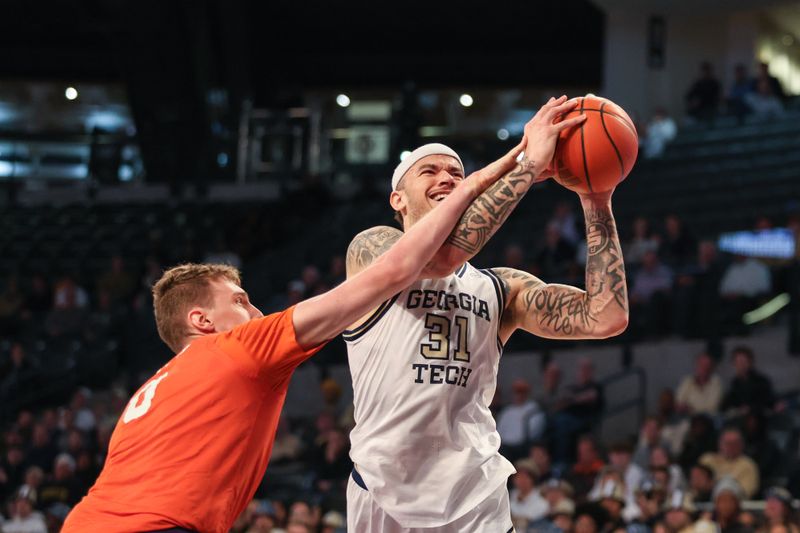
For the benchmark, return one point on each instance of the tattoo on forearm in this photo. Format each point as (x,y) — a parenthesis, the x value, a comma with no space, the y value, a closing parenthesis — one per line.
(369,245)
(488,212)
(561,310)
(605,270)
(507,276)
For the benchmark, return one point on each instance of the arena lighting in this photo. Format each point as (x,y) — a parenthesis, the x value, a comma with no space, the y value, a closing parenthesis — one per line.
(502,134)
(465,100)
(766,310)
(71,93)
(404,154)
(343,100)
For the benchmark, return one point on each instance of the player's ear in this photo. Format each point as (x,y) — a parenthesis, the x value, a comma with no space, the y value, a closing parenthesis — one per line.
(397,200)
(200,321)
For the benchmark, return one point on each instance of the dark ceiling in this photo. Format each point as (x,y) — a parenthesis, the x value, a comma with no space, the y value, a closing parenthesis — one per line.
(170,53)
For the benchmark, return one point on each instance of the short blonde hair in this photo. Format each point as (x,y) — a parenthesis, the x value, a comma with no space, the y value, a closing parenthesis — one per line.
(181,288)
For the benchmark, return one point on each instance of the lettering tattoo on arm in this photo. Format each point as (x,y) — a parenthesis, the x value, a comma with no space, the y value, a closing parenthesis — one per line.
(488,212)
(369,245)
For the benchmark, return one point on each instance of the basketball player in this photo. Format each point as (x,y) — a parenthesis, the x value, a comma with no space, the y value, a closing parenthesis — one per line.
(424,363)
(193,443)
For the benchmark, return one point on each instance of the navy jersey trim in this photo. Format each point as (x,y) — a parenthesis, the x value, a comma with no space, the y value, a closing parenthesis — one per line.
(461,270)
(353,334)
(501,301)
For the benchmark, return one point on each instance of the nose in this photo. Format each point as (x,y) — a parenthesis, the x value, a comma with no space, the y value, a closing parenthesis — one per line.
(255,312)
(446,178)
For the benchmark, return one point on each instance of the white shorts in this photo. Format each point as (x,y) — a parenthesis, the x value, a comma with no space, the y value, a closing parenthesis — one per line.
(493,515)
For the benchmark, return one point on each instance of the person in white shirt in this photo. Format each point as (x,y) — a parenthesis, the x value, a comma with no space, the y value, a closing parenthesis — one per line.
(23,518)
(527,503)
(520,423)
(700,392)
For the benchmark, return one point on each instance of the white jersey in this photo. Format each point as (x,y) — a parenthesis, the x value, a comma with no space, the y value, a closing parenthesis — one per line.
(424,369)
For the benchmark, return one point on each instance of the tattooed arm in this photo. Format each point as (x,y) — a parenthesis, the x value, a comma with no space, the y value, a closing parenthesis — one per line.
(488,212)
(563,312)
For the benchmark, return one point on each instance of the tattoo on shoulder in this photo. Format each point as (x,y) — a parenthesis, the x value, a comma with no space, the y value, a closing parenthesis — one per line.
(369,245)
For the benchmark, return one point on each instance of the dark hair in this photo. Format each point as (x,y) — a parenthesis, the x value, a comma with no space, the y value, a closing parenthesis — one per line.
(706,469)
(744,350)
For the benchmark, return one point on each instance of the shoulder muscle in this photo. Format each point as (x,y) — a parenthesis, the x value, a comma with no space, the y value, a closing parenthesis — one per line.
(368,246)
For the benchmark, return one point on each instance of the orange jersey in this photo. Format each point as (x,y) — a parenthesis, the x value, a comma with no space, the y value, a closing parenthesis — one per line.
(192,445)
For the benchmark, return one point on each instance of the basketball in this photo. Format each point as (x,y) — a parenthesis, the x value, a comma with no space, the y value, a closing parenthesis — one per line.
(599,154)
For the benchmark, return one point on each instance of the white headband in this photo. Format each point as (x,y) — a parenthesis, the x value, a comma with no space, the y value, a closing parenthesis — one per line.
(423,151)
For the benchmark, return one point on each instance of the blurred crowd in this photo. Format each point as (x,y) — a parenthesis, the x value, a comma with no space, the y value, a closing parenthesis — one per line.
(696,463)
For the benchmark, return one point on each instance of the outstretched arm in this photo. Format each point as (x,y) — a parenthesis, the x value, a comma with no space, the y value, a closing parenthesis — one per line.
(325,316)
(562,312)
(511,180)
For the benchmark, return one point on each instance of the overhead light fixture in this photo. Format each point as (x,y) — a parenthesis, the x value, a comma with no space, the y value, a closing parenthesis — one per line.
(502,134)
(404,154)
(71,93)
(343,100)
(465,100)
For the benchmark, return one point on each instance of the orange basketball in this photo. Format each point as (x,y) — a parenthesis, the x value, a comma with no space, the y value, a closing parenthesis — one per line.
(599,154)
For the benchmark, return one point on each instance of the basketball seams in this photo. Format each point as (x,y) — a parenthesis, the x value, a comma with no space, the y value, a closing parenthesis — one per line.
(622,119)
(613,144)
(583,153)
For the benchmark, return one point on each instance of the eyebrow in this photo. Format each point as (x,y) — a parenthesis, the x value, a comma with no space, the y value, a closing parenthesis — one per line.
(451,168)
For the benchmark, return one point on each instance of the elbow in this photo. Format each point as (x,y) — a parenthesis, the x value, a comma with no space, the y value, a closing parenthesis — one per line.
(614,326)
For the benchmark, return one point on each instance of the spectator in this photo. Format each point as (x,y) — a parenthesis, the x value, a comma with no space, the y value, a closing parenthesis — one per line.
(661,458)
(700,392)
(758,445)
(678,246)
(649,439)
(702,100)
(564,218)
(586,522)
(55,516)
(660,131)
(556,491)
(520,423)
(612,500)
(548,398)
(301,512)
(540,455)
(578,411)
(649,297)
(743,283)
(730,461)
(678,513)
(514,255)
(117,282)
(34,476)
(23,518)
(586,468)
(287,447)
(18,372)
(559,519)
(620,456)
(336,271)
(772,82)
(12,304)
(697,294)
(779,512)
(63,486)
(69,308)
(332,463)
(643,240)
(527,503)
(701,483)
(84,417)
(728,497)
(673,425)
(42,452)
(737,96)
(333,522)
(650,499)
(331,395)
(750,390)
(311,278)
(555,256)
(263,517)
(700,439)
(763,102)
(13,467)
